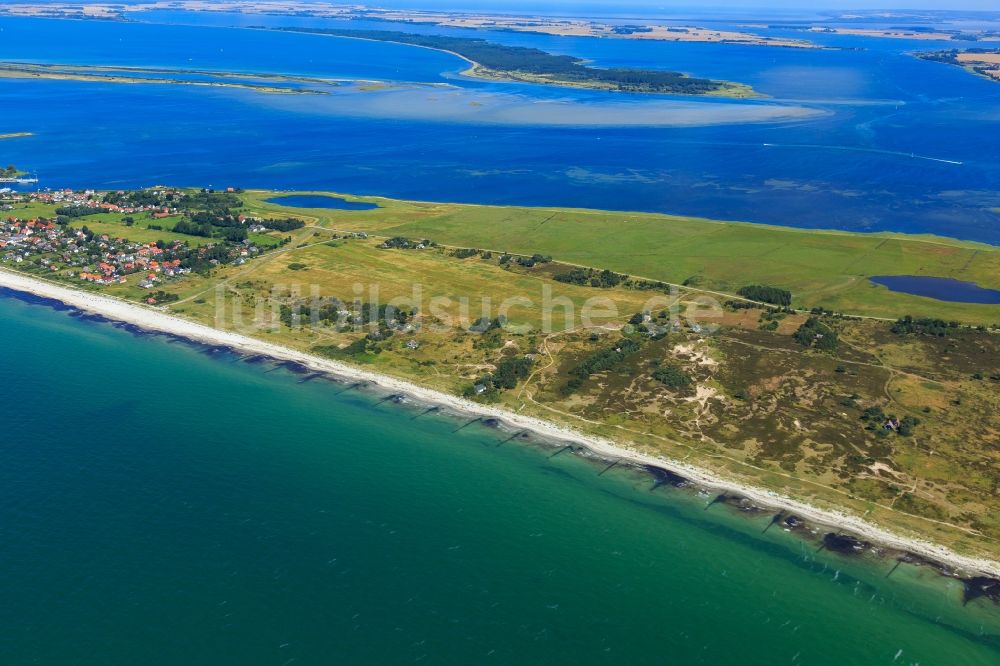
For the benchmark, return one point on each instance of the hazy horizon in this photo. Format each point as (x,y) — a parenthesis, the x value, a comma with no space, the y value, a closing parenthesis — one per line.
(988,6)
(783,5)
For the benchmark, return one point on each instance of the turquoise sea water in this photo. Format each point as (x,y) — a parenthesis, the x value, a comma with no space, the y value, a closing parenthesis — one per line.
(160,505)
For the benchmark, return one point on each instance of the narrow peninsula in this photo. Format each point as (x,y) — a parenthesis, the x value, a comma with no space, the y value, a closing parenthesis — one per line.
(789,378)
(139,75)
(517,63)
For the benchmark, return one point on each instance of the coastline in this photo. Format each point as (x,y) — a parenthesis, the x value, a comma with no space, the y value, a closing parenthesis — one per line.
(154,320)
(9,72)
(479,72)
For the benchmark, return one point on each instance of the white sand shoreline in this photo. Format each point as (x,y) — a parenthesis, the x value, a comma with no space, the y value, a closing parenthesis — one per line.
(156,320)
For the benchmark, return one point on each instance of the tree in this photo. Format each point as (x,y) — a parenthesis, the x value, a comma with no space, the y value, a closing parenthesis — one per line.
(672,377)
(765,294)
(907,425)
(814,333)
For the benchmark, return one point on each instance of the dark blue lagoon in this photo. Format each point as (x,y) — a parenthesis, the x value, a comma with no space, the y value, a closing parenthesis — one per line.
(860,140)
(942,289)
(321,201)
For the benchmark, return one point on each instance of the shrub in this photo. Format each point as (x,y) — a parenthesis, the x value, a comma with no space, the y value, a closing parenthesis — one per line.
(814,333)
(605,359)
(672,377)
(589,277)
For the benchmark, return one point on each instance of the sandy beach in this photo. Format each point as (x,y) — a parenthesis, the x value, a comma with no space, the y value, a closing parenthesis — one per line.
(155,320)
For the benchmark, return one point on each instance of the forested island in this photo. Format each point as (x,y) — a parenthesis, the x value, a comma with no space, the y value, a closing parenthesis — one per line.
(499,61)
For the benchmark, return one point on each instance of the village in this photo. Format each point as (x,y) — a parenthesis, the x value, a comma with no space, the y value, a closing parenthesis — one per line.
(56,246)
(90,199)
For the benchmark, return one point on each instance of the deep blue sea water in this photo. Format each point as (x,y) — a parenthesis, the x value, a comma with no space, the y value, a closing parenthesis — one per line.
(899,144)
(160,505)
(942,289)
(321,201)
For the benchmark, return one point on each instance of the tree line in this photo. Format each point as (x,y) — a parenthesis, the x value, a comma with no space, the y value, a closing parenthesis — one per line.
(532,61)
(589,277)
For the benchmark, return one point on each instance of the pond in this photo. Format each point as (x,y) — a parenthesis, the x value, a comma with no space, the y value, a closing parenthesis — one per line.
(321,201)
(942,289)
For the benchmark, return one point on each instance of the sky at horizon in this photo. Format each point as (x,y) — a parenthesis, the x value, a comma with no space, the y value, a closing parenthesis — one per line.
(990,6)
(783,5)
(688,6)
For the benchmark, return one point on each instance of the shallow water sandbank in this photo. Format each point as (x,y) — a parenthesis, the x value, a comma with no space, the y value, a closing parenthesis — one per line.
(437,103)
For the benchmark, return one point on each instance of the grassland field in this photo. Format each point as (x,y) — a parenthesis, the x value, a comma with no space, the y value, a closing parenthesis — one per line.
(828,269)
(760,408)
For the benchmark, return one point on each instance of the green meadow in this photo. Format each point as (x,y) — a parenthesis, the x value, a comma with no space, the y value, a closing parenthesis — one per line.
(821,268)
(800,410)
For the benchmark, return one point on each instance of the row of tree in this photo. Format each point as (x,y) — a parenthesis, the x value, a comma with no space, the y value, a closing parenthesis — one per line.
(924,326)
(589,277)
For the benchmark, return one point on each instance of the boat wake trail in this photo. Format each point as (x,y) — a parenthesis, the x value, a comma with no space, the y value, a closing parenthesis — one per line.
(860,149)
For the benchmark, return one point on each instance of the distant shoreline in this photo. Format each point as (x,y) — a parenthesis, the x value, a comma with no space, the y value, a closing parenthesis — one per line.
(82,73)
(478,70)
(154,320)
(984,63)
